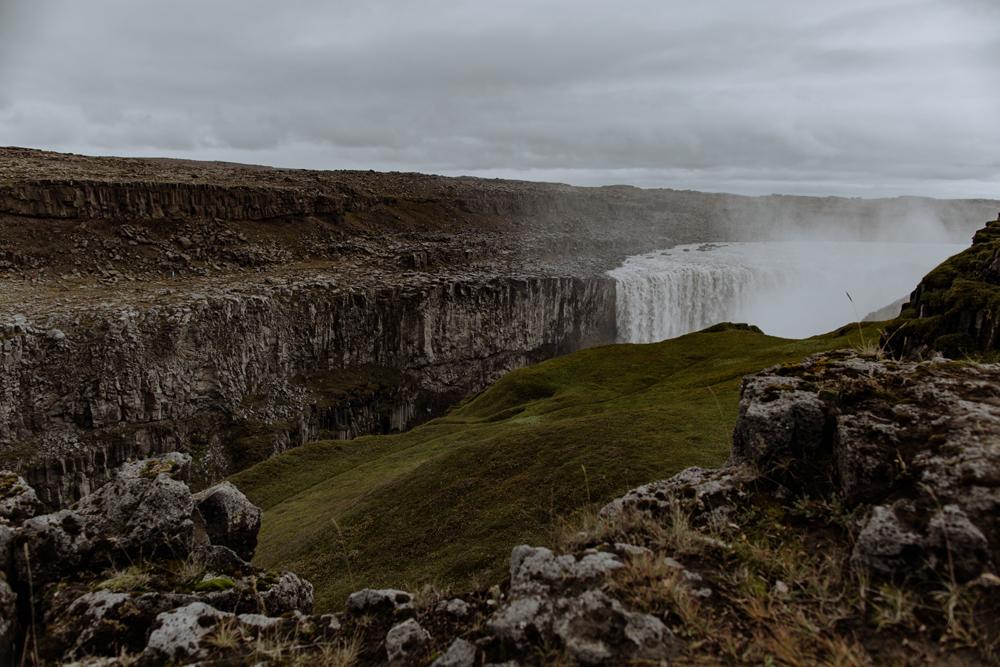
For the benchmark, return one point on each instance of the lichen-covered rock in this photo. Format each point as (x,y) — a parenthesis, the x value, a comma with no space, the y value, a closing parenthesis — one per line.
(177,635)
(6,551)
(701,492)
(780,419)
(885,545)
(50,546)
(920,442)
(521,622)
(385,601)
(406,643)
(8,623)
(558,600)
(289,593)
(460,653)
(142,515)
(596,629)
(176,465)
(230,519)
(105,622)
(456,607)
(18,501)
(537,569)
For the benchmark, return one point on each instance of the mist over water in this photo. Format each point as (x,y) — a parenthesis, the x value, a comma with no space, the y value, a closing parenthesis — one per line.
(792,289)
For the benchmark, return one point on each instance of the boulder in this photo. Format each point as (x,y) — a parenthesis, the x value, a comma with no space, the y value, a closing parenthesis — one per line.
(406,643)
(178,634)
(780,420)
(106,623)
(289,593)
(18,501)
(6,551)
(142,515)
(8,623)
(461,653)
(230,519)
(51,546)
(221,560)
(596,629)
(701,492)
(380,602)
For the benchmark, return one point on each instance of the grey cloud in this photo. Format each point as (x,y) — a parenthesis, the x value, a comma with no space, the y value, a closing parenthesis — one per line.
(854,97)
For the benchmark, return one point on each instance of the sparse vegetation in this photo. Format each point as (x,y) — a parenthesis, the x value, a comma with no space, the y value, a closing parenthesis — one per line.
(773,587)
(132,578)
(447,501)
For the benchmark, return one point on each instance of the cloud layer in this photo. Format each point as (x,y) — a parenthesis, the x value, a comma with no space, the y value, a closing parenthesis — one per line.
(857,97)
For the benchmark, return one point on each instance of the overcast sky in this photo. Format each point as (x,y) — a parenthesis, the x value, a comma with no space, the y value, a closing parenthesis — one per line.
(852,97)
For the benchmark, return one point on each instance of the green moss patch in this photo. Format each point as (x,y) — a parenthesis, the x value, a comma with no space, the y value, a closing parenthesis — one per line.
(214,584)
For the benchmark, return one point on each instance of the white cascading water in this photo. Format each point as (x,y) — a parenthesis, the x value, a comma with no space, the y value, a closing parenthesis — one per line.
(792,289)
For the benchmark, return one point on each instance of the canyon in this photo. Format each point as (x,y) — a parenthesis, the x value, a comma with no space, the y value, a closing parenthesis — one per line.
(233,311)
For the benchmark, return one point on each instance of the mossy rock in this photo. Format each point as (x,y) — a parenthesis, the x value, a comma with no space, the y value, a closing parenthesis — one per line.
(955,309)
(214,584)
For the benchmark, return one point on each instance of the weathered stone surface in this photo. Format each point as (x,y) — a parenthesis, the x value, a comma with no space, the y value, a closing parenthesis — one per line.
(18,501)
(134,379)
(177,635)
(50,546)
(406,643)
(8,623)
(221,560)
(380,602)
(779,420)
(175,465)
(885,545)
(230,519)
(597,630)
(460,653)
(289,593)
(142,515)
(455,607)
(6,550)
(537,569)
(699,491)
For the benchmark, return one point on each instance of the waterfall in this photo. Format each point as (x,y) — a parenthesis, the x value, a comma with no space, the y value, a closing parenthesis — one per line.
(792,289)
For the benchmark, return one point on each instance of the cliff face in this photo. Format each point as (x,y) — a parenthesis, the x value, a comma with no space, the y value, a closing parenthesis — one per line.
(956,308)
(236,374)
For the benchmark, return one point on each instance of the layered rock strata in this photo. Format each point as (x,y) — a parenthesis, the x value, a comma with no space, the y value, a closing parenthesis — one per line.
(236,373)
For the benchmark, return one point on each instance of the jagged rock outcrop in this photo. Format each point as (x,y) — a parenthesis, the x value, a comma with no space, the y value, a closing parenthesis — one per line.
(237,374)
(913,448)
(229,518)
(955,310)
(120,571)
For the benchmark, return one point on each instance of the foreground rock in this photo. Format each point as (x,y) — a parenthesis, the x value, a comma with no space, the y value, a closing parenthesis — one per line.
(120,572)
(858,489)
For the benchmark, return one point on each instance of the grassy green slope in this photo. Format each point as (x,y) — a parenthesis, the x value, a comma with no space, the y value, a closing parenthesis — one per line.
(445,502)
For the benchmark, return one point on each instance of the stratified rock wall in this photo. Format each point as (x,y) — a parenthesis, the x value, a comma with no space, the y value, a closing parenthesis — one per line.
(79,393)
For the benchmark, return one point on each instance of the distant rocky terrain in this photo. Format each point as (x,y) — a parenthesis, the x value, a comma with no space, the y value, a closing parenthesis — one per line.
(233,311)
